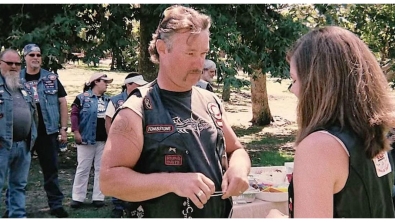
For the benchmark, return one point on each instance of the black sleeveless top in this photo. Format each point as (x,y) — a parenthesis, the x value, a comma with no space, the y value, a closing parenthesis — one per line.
(182,133)
(365,195)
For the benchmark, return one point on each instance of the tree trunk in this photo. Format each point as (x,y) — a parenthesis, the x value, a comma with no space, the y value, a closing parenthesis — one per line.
(148,69)
(261,115)
(226,91)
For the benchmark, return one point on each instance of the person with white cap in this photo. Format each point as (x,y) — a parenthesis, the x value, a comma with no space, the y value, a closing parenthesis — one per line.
(209,71)
(50,97)
(132,81)
(88,125)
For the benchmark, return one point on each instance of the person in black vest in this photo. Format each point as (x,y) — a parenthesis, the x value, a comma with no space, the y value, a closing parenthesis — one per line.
(391,136)
(342,165)
(170,151)
(132,81)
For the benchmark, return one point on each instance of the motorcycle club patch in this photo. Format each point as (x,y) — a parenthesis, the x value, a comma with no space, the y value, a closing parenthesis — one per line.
(159,128)
(86,94)
(27,85)
(147,103)
(173,160)
(52,77)
(382,164)
(120,102)
(215,113)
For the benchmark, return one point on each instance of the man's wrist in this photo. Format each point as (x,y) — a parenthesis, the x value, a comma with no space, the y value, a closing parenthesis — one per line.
(65,128)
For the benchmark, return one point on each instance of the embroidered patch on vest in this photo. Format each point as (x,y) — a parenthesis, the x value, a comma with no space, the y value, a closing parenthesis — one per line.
(24,93)
(159,128)
(215,113)
(147,103)
(52,77)
(86,94)
(120,102)
(173,160)
(27,85)
(382,164)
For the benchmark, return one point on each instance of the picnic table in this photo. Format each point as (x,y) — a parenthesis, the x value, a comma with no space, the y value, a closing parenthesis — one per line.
(258,209)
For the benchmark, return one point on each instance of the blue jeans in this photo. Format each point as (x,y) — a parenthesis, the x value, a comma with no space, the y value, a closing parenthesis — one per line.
(15,162)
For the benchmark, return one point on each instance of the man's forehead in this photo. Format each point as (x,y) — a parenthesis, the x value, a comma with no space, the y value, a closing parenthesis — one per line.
(11,55)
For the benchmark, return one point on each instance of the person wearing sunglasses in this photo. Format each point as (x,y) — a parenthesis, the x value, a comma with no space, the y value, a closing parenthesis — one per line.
(50,97)
(132,81)
(167,148)
(18,132)
(209,71)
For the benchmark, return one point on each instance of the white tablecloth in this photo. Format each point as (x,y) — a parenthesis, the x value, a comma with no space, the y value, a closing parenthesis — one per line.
(258,209)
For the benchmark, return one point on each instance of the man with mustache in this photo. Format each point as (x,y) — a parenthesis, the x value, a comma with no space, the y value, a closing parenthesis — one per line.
(167,148)
(18,132)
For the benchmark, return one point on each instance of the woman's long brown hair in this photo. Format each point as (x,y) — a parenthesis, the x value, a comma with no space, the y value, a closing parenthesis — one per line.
(341,83)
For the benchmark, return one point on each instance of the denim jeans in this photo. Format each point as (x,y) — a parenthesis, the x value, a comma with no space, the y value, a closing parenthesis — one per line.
(15,162)
(47,148)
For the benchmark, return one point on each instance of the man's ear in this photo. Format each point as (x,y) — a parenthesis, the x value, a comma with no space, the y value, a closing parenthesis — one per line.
(161,46)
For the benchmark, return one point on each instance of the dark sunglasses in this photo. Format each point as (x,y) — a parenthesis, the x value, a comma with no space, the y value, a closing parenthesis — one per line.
(32,55)
(12,63)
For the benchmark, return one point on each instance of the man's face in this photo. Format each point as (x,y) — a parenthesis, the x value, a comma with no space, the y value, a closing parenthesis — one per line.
(184,61)
(131,86)
(10,64)
(208,74)
(33,59)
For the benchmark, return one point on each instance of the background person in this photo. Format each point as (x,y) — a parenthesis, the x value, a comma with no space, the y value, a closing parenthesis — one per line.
(165,146)
(50,97)
(209,71)
(342,165)
(132,81)
(88,125)
(19,114)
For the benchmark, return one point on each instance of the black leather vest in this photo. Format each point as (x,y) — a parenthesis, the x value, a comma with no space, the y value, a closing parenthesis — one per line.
(167,150)
(365,195)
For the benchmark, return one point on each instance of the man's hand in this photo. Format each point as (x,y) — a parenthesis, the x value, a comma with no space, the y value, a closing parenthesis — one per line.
(195,186)
(234,182)
(63,136)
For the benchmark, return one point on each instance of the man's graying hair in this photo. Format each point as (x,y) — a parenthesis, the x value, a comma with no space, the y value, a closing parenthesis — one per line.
(177,19)
(7,50)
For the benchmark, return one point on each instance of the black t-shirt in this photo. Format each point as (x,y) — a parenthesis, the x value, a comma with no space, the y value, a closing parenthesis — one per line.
(32,80)
(101,134)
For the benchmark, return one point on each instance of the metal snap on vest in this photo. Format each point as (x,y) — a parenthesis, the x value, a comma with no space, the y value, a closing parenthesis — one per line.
(187,152)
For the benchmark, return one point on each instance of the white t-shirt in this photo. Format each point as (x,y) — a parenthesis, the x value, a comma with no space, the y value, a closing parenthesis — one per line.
(110,110)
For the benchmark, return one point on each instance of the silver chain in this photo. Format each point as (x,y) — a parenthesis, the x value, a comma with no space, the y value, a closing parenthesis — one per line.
(187,212)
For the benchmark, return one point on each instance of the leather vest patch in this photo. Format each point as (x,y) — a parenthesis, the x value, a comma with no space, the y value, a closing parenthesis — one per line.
(147,103)
(215,113)
(159,128)
(173,160)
